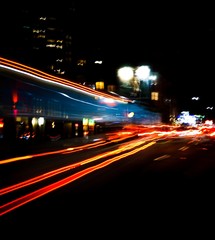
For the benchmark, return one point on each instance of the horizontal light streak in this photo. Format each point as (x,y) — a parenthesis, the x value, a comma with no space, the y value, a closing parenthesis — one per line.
(66,168)
(8,207)
(62,151)
(92,104)
(14,66)
(183,148)
(162,157)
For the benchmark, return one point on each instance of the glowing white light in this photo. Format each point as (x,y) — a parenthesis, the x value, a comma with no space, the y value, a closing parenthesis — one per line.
(106,100)
(98,62)
(125,73)
(195,98)
(41,121)
(142,72)
(130,115)
(209,122)
(186,118)
(153,77)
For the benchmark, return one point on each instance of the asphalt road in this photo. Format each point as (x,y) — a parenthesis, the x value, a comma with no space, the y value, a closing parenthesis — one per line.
(163,190)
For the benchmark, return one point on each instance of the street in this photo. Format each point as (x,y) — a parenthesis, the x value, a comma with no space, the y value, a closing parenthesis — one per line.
(148,177)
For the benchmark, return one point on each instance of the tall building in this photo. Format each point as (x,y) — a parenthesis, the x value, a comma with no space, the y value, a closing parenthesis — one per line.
(60,41)
(54,40)
(46,40)
(40,37)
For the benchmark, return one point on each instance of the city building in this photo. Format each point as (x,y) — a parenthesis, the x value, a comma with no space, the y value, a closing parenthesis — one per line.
(54,43)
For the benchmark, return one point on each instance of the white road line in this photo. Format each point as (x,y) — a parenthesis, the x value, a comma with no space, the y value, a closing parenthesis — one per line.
(183,148)
(162,157)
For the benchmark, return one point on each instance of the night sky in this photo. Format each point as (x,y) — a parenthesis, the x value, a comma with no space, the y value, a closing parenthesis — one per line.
(175,39)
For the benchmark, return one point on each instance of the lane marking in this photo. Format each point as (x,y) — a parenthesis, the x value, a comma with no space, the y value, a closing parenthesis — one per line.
(183,148)
(162,157)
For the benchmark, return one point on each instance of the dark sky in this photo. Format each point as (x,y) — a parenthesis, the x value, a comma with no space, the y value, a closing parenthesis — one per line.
(175,38)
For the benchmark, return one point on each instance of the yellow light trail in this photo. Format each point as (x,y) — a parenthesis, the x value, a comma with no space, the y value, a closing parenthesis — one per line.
(8,207)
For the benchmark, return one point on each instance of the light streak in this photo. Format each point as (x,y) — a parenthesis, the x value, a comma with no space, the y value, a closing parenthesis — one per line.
(78,100)
(12,205)
(62,151)
(14,66)
(183,148)
(162,157)
(128,149)
(68,167)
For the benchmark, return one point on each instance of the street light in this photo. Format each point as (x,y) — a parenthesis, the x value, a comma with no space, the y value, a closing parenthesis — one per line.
(130,79)
(125,74)
(142,73)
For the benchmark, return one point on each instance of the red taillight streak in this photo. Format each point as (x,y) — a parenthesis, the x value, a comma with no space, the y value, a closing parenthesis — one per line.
(8,207)
(66,168)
